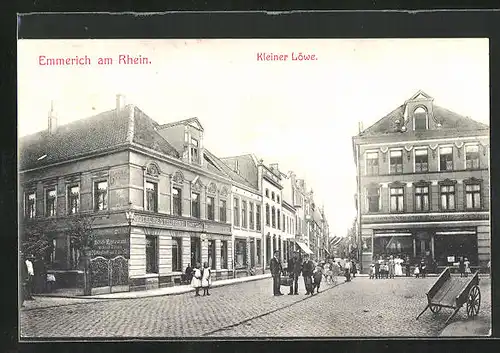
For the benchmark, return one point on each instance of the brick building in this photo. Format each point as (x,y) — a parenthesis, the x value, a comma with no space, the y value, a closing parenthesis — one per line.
(423,185)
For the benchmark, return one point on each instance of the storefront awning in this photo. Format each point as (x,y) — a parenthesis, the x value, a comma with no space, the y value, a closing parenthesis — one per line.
(304,247)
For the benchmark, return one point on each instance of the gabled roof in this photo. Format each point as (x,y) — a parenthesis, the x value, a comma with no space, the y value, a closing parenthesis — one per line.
(247,164)
(191,121)
(223,167)
(89,136)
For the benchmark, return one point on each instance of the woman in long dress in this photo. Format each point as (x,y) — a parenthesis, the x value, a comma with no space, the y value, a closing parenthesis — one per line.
(196,281)
(206,278)
(398,268)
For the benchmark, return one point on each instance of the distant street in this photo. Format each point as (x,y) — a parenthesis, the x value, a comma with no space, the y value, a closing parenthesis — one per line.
(362,307)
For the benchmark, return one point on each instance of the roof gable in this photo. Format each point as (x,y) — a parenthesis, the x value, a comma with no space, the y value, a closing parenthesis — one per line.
(194,122)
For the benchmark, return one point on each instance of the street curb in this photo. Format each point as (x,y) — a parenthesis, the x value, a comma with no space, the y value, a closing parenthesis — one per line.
(184,291)
(269,312)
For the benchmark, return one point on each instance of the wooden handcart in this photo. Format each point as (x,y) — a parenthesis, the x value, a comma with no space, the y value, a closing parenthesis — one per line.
(454,292)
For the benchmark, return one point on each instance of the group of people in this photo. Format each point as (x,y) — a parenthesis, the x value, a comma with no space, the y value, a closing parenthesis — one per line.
(464,267)
(34,277)
(199,277)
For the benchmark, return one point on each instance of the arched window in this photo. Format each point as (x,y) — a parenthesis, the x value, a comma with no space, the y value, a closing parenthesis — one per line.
(420,119)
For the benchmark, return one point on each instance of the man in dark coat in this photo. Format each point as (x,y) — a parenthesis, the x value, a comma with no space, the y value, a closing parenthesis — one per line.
(307,272)
(294,268)
(276,270)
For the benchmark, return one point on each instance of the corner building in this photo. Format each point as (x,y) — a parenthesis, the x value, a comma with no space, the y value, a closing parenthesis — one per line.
(423,185)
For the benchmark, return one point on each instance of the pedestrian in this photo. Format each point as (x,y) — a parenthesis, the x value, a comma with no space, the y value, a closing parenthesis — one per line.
(377,269)
(307,272)
(347,270)
(461,267)
(390,267)
(416,271)
(276,271)
(354,269)
(398,268)
(196,280)
(29,277)
(294,268)
(318,276)
(408,266)
(188,274)
(423,268)
(206,278)
(467,267)
(372,271)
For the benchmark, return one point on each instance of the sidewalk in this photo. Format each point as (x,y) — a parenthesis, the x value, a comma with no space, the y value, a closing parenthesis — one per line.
(176,290)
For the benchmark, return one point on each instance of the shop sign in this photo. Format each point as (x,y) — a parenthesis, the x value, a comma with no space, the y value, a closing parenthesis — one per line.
(111,245)
(451,258)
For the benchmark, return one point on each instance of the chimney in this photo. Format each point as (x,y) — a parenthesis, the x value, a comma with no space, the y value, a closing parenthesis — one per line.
(52,128)
(360,126)
(120,102)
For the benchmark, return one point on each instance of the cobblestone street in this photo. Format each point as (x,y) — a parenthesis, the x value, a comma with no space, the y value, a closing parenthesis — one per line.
(362,307)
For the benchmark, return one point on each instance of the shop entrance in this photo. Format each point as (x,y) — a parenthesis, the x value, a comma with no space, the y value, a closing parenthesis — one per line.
(454,246)
(422,245)
(195,251)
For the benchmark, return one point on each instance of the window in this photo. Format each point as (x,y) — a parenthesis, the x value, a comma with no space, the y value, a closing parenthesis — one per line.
(278,218)
(422,198)
(397,198)
(223,254)
(373,196)
(240,253)
(151,196)
(30,205)
(211,254)
(177,202)
(195,205)
(268,217)
(100,195)
(277,198)
(396,162)
(50,202)
(447,197)
(272,195)
(251,216)
(151,254)
(244,214)
(194,150)
(420,119)
(177,254)
(257,217)
(236,213)
(222,211)
(73,199)
(472,157)
(372,163)
(473,196)
(258,251)
(210,208)
(421,160)
(445,158)
(273,219)
(267,193)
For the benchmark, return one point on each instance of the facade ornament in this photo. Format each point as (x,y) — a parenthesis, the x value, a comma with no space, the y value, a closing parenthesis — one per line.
(408,154)
(384,149)
(198,185)
(178,177)
(408,148)
(459,144)
(433,148)
(223,191)
(153,170)
(212,188)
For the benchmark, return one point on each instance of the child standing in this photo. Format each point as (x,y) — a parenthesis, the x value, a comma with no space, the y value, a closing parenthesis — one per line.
(196,280)
(206,278)
(467,267)
(318,275)
(416,271)
(372,271)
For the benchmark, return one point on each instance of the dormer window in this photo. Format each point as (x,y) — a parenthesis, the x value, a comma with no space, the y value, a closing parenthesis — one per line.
(194,150)
(420,121)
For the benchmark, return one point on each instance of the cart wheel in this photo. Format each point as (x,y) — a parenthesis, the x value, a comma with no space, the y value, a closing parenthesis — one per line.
(473,301)
(435,309)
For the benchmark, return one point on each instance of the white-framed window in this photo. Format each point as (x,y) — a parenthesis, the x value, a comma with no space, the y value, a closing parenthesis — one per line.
(151,196)
(395,161)
(471,157)
(420,119)
(50,201)
(445,158)
(30,204)
(236,213)
(100,195)
(422,197)
(371,163)
(210,208)
(194,150)
(177,201)
(421,160)
(73,197)
(396,198)
(473,196)
(373,198)
(447,193)
(195,205)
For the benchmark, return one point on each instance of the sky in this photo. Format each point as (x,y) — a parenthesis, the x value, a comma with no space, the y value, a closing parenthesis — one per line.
(299,114)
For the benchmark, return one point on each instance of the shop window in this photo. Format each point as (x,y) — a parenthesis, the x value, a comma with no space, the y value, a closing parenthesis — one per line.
(367,244)
(151,254)
(177,201)
(473,196)
(472,157)
(421,160)
(401,246)
(100,195)
(372,167)
(236,213)
(258,252)
(240,253)
(211,254)
(210,208)
(151,196)
(73,199)
(396,162)
(223,254)
(373,198)
(257,217)
(456,246)
(397,199)
(244,222)
(251,216)
(422,198)
(447,197)
(445,158)
(195,205)
(30,205)
(50,202)
(268,217)
(177,254)
(222,211)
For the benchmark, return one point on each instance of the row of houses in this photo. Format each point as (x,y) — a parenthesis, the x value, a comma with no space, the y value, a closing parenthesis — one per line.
(161,200)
